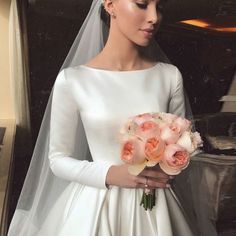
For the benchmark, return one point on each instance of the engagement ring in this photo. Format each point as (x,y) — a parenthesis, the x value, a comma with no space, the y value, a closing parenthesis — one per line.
(146,184)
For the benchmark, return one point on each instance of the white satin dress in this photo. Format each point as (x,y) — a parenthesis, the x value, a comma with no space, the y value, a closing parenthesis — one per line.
(103,100)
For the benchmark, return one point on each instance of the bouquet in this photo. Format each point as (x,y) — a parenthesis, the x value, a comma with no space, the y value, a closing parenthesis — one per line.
(157,138)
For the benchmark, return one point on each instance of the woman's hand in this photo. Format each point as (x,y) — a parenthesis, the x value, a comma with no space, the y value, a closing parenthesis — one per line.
(154,177)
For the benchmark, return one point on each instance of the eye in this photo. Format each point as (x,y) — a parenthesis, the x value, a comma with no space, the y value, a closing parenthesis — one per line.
(142,5)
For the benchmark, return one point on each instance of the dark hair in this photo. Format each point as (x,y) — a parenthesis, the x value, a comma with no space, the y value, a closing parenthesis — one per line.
(105,17)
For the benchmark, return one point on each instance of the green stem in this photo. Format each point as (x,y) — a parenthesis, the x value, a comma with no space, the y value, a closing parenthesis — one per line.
(148,200)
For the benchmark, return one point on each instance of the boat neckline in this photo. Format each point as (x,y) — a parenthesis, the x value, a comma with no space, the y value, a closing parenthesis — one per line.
(121,71)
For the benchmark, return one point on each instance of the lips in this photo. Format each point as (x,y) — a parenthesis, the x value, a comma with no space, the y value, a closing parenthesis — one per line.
(149,32)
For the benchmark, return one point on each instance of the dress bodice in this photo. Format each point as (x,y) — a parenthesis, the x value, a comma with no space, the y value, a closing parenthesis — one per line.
(107,98)
(103,100)
(89,106)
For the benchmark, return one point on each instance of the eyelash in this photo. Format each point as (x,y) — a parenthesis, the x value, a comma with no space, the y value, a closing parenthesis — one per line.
(143,6)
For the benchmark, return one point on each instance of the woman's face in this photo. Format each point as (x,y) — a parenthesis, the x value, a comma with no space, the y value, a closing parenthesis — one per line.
(137,20)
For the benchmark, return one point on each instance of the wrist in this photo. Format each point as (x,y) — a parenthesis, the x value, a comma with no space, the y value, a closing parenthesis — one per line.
(110,176)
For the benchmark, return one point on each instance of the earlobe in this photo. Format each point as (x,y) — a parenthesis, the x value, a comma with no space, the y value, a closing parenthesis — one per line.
(109,7)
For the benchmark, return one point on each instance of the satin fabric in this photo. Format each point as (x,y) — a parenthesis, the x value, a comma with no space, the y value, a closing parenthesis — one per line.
(104,100)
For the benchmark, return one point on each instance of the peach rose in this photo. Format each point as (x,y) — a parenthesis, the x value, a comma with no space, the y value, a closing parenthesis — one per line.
(154,148)
(132,151)
(175,159)
(147,129)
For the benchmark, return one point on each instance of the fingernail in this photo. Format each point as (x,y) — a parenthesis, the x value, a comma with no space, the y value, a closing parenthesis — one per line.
(168,185)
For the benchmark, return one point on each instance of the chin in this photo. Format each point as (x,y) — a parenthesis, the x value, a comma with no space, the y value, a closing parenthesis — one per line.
(144,43)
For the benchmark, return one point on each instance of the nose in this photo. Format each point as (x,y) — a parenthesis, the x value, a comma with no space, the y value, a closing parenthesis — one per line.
(153,14)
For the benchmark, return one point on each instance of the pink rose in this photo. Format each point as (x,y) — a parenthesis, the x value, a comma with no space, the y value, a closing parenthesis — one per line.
(175,159)
(129,127)
(169,134)
(167,118)
(139,119)
(132,151)
(181,124)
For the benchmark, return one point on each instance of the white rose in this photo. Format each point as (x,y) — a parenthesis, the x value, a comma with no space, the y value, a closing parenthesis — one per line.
(190,141)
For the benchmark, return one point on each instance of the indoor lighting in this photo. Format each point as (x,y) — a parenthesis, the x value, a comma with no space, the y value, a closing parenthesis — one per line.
(205,24)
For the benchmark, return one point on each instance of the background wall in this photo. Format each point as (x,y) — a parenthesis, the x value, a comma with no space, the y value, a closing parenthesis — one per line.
(6,96)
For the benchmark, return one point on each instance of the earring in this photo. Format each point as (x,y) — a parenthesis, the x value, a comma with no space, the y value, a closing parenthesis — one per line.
(113,15)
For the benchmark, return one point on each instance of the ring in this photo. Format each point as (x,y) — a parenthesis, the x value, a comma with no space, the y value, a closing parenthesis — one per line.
(146,183)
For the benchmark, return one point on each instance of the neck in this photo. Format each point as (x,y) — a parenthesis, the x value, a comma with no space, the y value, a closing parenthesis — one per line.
(121,53)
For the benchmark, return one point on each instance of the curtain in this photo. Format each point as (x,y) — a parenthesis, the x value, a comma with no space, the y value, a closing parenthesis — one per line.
(19,72)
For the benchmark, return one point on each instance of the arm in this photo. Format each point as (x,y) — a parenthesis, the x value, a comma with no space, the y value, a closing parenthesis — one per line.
(177,101)
(65,124)
(66,136)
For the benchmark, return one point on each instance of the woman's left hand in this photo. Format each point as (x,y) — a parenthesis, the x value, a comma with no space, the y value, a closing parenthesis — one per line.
(155,175)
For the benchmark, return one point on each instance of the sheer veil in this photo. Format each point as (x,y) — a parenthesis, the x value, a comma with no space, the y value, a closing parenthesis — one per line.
(41,188)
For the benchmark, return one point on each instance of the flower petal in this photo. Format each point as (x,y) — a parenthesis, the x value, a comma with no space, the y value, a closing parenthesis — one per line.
(151,163)
(136,169)
(186,142)
(168,170)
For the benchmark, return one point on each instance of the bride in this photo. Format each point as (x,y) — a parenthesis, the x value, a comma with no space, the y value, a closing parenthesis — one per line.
(76,183)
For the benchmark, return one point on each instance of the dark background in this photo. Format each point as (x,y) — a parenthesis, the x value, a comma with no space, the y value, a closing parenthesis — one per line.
(206,58)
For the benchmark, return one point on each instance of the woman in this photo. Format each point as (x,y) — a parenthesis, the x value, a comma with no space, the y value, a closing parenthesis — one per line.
(100,197)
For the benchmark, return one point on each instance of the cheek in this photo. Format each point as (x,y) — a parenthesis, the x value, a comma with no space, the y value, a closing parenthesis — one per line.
(130,16)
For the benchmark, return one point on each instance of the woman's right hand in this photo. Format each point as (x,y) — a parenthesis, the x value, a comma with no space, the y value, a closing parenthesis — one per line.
(154,177)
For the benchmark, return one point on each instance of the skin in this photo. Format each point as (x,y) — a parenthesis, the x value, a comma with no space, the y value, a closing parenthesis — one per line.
(127,34)
(129,22)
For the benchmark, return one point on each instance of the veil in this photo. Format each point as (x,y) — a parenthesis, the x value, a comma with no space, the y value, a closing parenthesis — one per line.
(41,188)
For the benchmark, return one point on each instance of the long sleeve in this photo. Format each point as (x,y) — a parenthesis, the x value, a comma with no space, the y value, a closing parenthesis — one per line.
(66,136)
(177,101)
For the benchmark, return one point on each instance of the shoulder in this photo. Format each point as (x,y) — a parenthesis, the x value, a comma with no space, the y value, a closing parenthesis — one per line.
(65,77)
(71,75)
(169,75)
(71,72)
(170,72)
(168,68)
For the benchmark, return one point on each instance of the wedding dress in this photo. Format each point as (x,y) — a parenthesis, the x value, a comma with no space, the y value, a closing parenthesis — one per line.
(103,100)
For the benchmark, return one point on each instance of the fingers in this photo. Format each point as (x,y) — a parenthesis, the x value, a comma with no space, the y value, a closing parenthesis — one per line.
(156,178)
(150,178)
(154,183)
(158,169)
(152,173)
(151,183)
